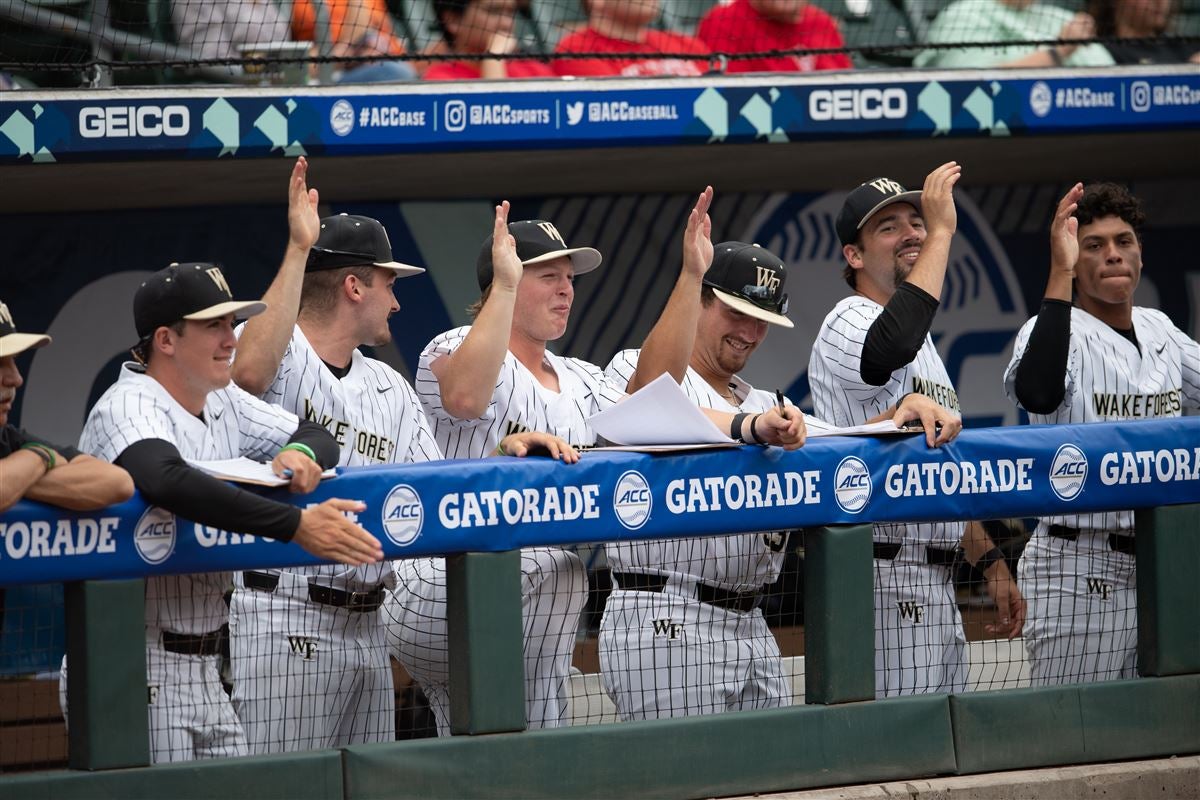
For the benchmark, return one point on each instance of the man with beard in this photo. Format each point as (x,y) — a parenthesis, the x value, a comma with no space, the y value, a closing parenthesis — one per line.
(872,350)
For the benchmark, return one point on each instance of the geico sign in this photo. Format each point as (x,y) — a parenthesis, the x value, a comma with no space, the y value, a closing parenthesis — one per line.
(830,104)
(116,122)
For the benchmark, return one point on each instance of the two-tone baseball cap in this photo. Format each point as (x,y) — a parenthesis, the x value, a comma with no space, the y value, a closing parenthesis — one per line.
(12,341)
(862,204)
(349,240)
(750,279)
(195,290)
(537,241)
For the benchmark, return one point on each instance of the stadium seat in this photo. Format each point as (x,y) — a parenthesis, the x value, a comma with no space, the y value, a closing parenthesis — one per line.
(874,22)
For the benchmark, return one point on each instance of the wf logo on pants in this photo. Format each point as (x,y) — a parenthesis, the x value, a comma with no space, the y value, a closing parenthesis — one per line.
(303,646)
(914,612)
(1103,589)
(664,627)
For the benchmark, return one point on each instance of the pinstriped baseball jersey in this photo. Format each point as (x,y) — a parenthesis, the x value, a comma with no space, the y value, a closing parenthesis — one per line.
(1108,379)
(742,562)
(519,402)
(234,423)
(372,412)
(841,397)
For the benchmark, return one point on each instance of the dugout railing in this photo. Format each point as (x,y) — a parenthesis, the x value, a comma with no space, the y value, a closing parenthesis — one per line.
(839,736)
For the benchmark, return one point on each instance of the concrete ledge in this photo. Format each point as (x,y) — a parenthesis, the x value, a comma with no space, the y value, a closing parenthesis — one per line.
(1160,779)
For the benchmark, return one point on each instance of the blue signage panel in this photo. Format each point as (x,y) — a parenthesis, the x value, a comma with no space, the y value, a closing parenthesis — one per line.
(329,121)
(504,503)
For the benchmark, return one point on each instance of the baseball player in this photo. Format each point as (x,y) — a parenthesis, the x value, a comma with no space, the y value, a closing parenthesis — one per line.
(174,404)
(871,350)
(31,467)
(495,376)
(1102,360)
(310,658)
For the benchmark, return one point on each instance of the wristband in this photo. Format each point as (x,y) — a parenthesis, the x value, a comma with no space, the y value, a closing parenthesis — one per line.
(990,557)
(500,451)
(300,447)
(754,431)
(42,452)
(735,428)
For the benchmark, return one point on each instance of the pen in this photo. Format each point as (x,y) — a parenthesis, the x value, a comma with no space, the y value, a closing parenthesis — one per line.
(782,403)
(287,473)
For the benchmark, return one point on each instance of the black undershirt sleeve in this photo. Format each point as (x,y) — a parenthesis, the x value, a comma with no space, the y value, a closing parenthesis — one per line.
(1040,382)
(166,480)
(320,441)
(897,334)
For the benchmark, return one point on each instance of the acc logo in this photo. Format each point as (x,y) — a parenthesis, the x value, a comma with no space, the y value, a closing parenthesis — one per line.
(403,515)
(1040,98)
(1068,471)
(632,500)
(341,117)
(154,535)
(852,484)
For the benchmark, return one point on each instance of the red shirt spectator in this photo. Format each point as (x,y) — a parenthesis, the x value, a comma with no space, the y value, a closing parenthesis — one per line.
(750,26)
(590,40)
(471,70)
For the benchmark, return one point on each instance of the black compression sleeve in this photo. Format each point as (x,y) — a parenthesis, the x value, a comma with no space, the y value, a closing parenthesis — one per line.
(1040,382)
(166,480)
(320,441)
(897,334)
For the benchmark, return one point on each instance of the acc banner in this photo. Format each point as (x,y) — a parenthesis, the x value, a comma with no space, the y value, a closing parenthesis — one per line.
(191,123)
(505,503)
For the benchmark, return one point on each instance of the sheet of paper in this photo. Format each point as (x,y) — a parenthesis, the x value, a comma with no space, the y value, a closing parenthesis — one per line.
(245,470)
(818,428)
(659,415)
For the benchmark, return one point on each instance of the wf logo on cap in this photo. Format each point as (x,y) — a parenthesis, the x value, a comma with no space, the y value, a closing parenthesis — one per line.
(6,317)
(219,280)
(632,500)
(551,231)
(887,186)
(154,535)
(852,485)
(403,515)
(768,278)
(1068,472)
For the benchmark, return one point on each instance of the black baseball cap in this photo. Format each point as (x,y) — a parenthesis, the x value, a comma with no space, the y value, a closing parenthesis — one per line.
(13,342)
(862,203)
(348,240)
(750,279)
(538,241)
(195,290)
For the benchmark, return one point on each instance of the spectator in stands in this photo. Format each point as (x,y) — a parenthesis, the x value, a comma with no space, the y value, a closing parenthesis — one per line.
(623,26)
(32,467)
(1141,19)
(750,26)
(357,28)
(221,28)
(1006,25)
(478,27)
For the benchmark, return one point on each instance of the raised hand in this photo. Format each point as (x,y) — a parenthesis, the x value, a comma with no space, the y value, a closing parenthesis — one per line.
(937,198)
(506,264)
(304,221)
(697,236)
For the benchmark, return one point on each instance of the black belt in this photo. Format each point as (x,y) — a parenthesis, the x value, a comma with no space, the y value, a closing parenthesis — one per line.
(1118,543)
(351,601)
(937,556)
(705,593)
(201,644)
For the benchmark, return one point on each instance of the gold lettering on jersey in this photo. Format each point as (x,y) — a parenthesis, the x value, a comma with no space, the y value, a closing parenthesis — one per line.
(887,186)
(939,393)
(769,278)
(367,444)
(552,232)
(219,280)
(1131,406)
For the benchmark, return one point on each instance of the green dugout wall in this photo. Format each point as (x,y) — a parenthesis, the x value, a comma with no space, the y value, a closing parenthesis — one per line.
(840,737)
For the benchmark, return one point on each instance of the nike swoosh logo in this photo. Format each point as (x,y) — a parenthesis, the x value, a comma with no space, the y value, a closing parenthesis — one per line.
(217,414)
(382,389)
(1161,347)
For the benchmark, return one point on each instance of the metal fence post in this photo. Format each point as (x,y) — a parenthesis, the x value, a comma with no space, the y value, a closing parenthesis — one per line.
(1168,594)
(839,615)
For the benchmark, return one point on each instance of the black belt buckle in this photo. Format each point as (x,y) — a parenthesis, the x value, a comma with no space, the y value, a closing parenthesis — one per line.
(941,557)
(351,601)
(743,602)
